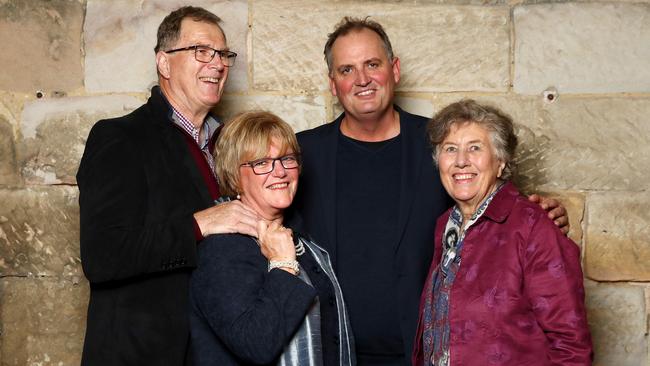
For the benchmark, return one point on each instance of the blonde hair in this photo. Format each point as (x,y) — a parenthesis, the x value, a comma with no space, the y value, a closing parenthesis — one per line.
(246,137)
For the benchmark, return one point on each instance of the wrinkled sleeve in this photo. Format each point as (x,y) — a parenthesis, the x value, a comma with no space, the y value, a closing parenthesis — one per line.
(119,240)
(554,286)
(253,312)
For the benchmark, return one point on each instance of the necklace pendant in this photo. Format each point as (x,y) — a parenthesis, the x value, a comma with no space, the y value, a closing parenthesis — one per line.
(449,257)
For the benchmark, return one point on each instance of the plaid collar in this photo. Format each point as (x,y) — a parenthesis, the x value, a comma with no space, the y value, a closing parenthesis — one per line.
(209,126)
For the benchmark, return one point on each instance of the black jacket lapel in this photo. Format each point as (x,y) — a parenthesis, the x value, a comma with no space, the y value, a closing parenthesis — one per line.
(413,151)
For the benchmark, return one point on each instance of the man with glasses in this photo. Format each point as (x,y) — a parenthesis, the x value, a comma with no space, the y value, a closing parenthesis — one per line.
(370,194)
(147,191)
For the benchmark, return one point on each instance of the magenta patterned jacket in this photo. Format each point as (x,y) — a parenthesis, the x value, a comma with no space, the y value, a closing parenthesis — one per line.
(518,297)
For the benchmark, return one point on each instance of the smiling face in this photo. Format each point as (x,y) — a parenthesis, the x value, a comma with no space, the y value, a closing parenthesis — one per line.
(363,78)
(468,165)
(269,194)
(191,86)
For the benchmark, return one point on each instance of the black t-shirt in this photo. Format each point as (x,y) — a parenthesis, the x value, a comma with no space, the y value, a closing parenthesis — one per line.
(367,200)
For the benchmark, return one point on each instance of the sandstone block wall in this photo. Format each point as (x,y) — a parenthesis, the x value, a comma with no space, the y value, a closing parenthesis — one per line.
(575,76)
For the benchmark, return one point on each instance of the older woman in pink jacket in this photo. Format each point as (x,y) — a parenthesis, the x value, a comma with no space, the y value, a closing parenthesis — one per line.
(505,286)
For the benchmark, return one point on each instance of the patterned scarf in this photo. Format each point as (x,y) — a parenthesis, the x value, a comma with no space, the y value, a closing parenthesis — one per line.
(435,336)
(305,348)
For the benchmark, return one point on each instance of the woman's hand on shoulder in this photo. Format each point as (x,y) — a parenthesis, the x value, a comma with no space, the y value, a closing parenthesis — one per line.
(276,242)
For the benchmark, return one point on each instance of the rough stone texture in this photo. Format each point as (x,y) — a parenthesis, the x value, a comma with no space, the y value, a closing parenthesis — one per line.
(287,55)
(11,104)
(524,110)
(120,37)
(41,40)
(415,105)
(594,144)
(54,133)
(582,48)
(43,321)
(301,112)
(39,232)
(8,166)
(618,324)
(617,236)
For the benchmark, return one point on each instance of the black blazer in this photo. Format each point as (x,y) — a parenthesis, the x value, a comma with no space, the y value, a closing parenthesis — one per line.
(138,189)
(422,200)
(240,313)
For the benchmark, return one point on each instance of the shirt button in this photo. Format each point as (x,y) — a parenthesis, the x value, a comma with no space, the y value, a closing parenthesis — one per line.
(332,301)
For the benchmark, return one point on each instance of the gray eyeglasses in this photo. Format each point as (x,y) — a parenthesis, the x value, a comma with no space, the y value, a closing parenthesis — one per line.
(266,165)
(205,54)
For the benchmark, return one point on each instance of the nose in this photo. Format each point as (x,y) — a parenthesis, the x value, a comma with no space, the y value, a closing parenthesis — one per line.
(362,78)
(278,169)
(216,63)
(462,158)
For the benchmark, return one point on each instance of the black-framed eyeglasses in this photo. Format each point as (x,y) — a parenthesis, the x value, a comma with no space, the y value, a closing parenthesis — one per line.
(205,54)
(266,165)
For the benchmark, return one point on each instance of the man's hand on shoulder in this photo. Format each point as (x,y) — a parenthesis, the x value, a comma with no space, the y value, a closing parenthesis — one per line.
(227,218)
(556,211)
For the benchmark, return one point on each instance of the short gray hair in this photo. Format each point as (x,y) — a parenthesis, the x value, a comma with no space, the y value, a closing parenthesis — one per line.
(351,24)
(170,29)
(495,121)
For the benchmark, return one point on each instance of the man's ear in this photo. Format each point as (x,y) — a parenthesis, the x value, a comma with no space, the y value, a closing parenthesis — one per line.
(396,69)
(330,78)
(162,63)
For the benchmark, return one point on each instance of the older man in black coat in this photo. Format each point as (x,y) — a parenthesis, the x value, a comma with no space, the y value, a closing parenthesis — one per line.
(146,198)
